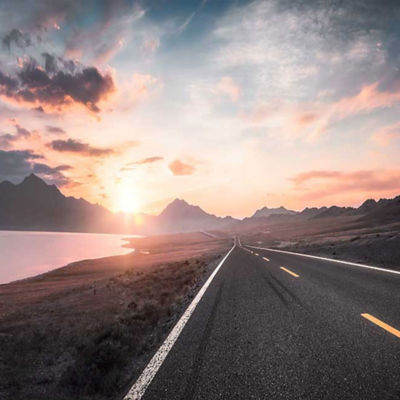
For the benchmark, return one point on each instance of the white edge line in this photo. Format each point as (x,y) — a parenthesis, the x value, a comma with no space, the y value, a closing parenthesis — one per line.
(329,259)
(139,387)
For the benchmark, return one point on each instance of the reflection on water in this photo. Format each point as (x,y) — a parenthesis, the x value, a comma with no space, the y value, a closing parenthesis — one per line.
(25,254)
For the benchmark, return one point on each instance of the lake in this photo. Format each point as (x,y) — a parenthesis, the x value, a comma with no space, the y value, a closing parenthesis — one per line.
(25,254)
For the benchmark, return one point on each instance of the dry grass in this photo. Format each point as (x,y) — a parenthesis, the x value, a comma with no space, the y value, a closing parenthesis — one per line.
(89,340)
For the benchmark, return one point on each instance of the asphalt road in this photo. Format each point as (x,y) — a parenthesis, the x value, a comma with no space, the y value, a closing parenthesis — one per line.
(263,332)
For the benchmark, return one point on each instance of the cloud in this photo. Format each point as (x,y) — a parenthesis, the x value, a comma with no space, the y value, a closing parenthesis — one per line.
(149,46)
(138,88)
(179,168)
(61,83)
(54,129)
(305,177)
(310,120)
(386,135)
(189,18)
(7,139)
(17,164)
(76,146)
(227,86)
(17,38)
(52,175)
(147,160)
(314,185)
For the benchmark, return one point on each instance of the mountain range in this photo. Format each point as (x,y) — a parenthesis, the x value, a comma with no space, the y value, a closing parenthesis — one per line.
(35,205)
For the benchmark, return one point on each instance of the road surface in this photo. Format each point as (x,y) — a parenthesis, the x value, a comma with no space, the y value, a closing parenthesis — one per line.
(281,326)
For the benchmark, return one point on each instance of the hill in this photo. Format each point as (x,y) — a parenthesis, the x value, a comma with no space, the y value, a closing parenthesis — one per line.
(35,205)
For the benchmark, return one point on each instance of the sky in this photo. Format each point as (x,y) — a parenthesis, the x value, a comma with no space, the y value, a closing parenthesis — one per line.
(230,105)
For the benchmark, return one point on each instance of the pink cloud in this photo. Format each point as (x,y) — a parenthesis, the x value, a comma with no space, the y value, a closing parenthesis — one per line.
(311,120)
(137,89)
(386,135)
(228,87)
(316,185)
(180,168)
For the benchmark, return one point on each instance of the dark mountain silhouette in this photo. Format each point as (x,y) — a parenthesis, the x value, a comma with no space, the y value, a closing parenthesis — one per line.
(312,212)
(384,210)
(266,212)
(35,205)
(179,216)
(335,211)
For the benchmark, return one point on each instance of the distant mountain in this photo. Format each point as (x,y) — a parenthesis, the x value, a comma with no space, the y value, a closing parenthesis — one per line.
(384,210)
(266,212)
(35,205)
(335,211)
(312,212)
(179,216)
(368,206)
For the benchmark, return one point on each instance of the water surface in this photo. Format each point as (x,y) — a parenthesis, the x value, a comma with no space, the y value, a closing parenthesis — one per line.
(25,254)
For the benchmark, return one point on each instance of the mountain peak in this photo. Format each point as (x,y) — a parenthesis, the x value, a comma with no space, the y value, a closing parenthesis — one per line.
(33,179)
(266,212)
(33,183)
(178,203)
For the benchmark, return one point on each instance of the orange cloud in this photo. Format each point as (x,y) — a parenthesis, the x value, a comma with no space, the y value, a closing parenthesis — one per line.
(180,168)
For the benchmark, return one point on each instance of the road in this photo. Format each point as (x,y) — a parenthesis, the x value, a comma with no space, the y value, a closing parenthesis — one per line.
(281,326)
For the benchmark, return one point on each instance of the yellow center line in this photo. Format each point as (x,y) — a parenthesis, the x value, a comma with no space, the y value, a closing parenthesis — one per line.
(290,272)
(266,259)
(382,324)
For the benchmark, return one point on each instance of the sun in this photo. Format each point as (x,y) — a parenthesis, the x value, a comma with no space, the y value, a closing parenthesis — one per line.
(127,200)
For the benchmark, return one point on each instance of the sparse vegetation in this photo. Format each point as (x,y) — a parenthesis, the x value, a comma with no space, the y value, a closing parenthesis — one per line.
(89,342)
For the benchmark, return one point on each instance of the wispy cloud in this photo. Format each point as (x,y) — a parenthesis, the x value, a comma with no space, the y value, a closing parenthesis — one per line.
(78,147)
(227,86)
(325,184)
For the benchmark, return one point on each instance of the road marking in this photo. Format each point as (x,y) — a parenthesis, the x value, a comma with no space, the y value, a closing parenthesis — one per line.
(138,389)
(290,272)
(329,259)
(266,259)
(382,324)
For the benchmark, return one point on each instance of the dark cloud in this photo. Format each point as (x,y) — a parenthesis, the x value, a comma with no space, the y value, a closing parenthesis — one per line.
(75,146)
(39,109)
(56,86)
(17,38)
(17,164)
(54,129)
(7,139)
(52,175)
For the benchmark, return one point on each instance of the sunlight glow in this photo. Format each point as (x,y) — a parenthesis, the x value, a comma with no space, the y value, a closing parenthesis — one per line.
(127,200)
